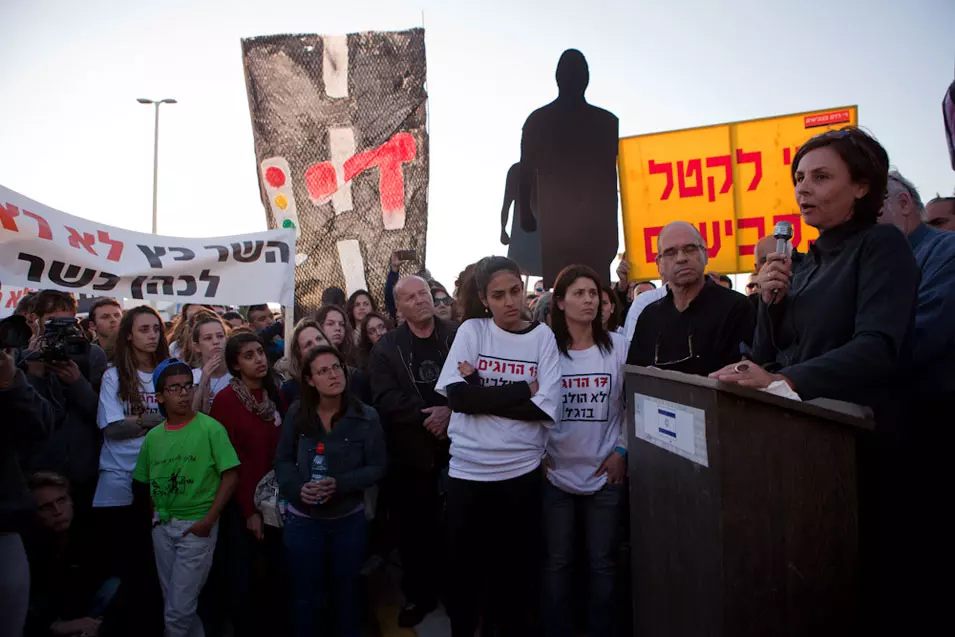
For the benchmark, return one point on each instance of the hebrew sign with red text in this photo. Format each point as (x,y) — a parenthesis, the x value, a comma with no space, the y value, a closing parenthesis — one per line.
(731,180)
(342,151)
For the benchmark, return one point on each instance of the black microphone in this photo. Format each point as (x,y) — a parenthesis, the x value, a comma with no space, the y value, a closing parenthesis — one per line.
(783,233)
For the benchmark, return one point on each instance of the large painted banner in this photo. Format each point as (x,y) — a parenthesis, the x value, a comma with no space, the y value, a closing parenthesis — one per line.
(44,248)
(732,180)
(342,151)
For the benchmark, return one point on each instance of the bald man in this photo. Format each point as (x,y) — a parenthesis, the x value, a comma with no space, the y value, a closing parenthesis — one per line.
(404,368)
(699,326)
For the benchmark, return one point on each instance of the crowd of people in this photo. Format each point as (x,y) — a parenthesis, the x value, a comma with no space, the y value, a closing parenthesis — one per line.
(191,478)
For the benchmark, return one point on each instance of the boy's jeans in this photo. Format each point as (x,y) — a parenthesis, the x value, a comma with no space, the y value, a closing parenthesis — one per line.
(183,563)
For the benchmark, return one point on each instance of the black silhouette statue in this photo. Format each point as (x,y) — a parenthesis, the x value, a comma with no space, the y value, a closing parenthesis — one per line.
(569,159)
(523,247)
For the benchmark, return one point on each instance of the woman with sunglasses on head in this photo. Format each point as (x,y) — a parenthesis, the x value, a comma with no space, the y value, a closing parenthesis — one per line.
(502,381)
(250,409)
(332,448)
(587,450)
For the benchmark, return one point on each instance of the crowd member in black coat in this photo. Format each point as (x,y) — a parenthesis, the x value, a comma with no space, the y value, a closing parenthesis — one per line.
(28,418)
(404,369)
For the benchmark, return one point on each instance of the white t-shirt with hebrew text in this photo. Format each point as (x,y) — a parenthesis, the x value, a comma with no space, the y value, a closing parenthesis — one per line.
(489,448)
(117,459)
(591,417)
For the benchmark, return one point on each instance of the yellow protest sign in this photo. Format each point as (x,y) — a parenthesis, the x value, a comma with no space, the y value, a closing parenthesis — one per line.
(731,180)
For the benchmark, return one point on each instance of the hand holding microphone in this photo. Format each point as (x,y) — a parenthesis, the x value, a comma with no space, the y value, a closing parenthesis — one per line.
(775,275)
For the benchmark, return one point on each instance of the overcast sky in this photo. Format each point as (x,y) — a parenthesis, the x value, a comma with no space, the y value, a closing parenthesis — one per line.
(73,137)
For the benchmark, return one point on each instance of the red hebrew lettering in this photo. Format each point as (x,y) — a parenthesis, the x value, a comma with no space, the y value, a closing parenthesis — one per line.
(80,241)
(391,182)
(755,157)
(714,247)
(115,247)
(520,368)
(7,214)
(796,220)
(728,227)
(14,297)
(563,381)
(533,371)
(586,382)
(649,234)
(665,168)
(321,181)
(692,166)
(727,163)
(789,154)
(43,228)
(482,365)
(746,249)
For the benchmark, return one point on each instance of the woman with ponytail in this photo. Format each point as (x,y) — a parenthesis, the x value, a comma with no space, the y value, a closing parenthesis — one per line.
(502,381)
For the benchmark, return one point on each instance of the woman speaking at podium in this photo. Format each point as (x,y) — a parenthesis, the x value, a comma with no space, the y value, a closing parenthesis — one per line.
(839,325)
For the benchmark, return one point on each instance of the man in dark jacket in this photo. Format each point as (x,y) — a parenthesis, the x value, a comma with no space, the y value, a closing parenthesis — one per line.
(405,365)
(27,418)
(70,385)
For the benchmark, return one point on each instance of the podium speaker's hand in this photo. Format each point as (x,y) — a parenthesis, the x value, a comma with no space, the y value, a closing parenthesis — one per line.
(748,374)
(774,278)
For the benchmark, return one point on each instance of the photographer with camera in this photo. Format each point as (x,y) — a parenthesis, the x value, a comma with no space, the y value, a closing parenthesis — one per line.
(65,369)
(28,418)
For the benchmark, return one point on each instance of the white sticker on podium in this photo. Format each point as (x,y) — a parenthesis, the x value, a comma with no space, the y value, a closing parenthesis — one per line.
(677,428)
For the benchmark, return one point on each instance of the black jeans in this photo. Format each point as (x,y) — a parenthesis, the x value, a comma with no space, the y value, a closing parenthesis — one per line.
(415,512)
(494,544)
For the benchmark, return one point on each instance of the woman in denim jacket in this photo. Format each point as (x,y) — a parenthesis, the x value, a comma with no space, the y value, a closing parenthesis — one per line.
(326,526)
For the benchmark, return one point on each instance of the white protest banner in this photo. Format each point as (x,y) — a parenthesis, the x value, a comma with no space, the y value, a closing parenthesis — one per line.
(10,296)
(44,248)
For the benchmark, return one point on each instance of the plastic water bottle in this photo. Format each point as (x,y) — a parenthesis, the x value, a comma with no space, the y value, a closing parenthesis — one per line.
(319,466)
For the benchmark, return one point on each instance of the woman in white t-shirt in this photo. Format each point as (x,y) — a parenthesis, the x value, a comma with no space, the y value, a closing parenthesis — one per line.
(587,451)
(127,411)
(209,335)
(502,381)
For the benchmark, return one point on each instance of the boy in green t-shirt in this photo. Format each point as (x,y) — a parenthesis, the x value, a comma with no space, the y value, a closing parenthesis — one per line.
(189,465)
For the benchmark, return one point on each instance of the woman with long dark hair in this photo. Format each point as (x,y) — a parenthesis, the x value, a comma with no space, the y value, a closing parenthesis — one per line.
(250,409)
(336,326)
(326,529)
(128,410)
(587,449)
(502,380)
(372,328)
(360,304)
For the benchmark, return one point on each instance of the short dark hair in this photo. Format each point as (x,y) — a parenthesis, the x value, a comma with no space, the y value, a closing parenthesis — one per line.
(867,160)
(26,304)
(262,307)
(650,283)
(232,315)
(333,296)
(178,368)
(725,279)
(49,301)
(106,301)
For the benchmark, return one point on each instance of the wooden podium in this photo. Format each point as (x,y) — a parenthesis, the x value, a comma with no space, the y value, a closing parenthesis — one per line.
(743,510)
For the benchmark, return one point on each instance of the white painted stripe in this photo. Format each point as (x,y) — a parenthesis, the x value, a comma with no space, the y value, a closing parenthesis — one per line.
(335,65)
(341,146)
(353,266)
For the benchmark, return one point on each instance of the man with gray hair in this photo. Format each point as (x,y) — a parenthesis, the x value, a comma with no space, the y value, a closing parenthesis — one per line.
(698,327)
(933,356)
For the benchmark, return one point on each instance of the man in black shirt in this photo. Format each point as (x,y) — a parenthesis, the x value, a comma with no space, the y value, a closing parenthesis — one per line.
(697,328)
(404,369)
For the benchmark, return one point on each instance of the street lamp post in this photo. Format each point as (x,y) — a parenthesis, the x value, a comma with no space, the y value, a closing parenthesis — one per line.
(143,100)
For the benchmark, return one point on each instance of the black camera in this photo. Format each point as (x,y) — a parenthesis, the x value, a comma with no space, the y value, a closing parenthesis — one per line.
(15,333)
(62,340)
